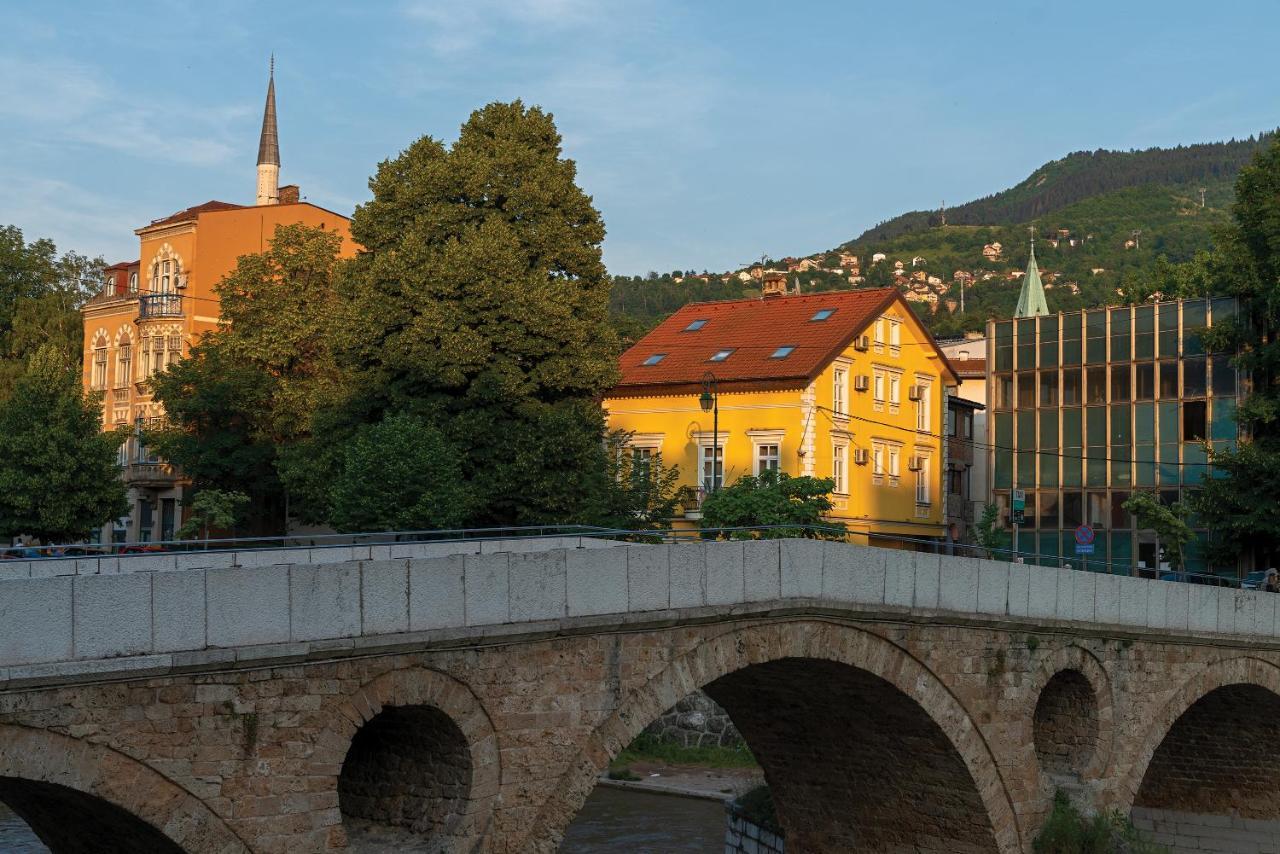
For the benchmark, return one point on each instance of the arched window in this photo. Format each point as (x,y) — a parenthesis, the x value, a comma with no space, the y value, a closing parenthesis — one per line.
(175,349)
(124,361)
(109,285)
(98,373)
(166,272)
(133,283)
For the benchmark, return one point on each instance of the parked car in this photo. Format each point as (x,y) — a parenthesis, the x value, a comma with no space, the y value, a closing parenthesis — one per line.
(1260,579)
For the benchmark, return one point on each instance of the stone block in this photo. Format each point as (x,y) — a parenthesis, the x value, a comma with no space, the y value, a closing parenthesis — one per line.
(760,570)
(1133,600)
(1177,603)
(247,606)
(596,581)
(112,615)
(205,560)
(993,586)
(47,568)
(438,598)
(958,588)
(537,586)
(688,562)
(86,566)
(178,613)
(1228,603)
(1106,599)
(384,597)
(1202,608)
(1158,604)
(928,586)
(800,568)
(35,620)
(1019,589)
(14,569)
(726,570)
(898,576)
(1042,591)
(1084,588)
(648,578)
(325,601)
(487,586)
(270,557)
(870,576)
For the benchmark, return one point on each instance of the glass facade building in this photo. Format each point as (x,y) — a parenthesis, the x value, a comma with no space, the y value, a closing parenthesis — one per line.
(1088,407)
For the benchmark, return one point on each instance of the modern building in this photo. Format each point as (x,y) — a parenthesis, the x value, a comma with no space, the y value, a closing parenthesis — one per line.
(847,385)
(1089,407)
(151,311)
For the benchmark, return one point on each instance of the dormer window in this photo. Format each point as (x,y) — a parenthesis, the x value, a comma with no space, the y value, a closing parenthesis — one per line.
(721,355)
(695,326)
(783,351)
(822,314)
(655,359)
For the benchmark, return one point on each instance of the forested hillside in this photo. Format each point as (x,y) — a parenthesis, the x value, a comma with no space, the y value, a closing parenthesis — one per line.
(1081,175)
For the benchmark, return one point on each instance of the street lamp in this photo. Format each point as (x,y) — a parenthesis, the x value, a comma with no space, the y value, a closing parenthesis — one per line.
(709,400)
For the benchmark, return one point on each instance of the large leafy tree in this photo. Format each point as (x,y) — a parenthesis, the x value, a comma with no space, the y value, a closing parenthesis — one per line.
(1241,504)
(41,292)
(247,392)
(59,479)
(480,304)
(788,506)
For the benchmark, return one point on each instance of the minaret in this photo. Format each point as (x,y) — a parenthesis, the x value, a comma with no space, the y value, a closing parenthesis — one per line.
(269,147)
(1031,301)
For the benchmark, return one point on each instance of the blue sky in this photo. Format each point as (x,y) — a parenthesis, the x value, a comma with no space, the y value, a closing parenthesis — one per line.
(707,132)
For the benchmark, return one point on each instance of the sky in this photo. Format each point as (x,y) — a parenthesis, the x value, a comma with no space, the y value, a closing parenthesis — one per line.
(708,133)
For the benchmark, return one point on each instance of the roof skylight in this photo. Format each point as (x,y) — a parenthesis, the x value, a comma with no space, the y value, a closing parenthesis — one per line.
(822,314)
(783,351)
(695,325)
(655,359)
(721,355)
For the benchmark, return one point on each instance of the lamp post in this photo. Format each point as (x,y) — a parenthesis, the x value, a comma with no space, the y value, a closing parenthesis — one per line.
(709,400)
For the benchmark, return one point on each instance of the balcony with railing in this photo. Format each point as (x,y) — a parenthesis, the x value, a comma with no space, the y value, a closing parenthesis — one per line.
(150,474)
(159,305)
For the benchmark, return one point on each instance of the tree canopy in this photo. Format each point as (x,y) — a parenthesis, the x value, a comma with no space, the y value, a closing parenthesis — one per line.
(794,505)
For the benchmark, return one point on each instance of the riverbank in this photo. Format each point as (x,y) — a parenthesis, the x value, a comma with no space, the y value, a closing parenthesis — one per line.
(691,781)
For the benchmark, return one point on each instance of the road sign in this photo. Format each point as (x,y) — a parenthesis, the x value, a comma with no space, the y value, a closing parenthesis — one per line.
(1018,517)
(1084,548)
(1084,537)
(1019,499)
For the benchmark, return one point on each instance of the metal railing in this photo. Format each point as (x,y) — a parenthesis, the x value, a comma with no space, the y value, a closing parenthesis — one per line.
(159,305)
(1082,563)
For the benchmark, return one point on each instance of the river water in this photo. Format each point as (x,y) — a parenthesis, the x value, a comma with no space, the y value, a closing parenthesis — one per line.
(612,821)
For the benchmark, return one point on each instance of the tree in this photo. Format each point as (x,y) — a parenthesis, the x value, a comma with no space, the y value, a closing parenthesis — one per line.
(990,535)
(1169,523)
(400,475)
(480,304)
(1240,501)
(214,509)
(59,479)
(644,491)
(797,504)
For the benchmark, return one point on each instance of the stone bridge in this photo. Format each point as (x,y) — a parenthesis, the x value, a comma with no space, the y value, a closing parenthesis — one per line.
(390,697)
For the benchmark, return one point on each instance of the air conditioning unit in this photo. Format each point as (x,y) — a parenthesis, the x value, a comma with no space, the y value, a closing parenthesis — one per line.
(916,392)
(915,463)
(860,456)
(862,342)
(861,382)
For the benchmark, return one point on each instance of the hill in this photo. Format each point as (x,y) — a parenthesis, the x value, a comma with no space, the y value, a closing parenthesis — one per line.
(1079,176)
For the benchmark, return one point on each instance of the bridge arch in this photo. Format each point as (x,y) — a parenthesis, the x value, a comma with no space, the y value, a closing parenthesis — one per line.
(417,753)
(1071,710)
(1214,746)
(82,797)
(768,666)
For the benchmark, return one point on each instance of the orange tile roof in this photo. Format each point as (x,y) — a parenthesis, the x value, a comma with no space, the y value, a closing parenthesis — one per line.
(193,212)
(753,329)
(970,367)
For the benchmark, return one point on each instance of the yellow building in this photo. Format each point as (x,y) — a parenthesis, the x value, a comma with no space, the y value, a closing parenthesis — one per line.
(847,385)
(151,311)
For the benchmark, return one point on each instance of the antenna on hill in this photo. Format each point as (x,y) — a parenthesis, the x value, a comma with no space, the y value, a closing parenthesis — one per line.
(1137,233)
(943,211)
(1202,197)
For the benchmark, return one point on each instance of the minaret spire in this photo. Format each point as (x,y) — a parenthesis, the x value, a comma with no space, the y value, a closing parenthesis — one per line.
(1031,301)
(269,146)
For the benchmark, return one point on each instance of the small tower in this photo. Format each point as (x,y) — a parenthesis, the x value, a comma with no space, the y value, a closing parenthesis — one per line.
(269,147)
(1031,301)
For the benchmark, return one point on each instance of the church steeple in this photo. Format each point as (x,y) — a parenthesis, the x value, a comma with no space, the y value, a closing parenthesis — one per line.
(269,147)
(1031,301)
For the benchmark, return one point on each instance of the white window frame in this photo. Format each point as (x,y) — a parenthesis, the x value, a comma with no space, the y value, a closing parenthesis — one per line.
(877,462)
(895,391)
(895,336)
(895,461)
(760,439)
(879,335)
(98,380)
(840,390)
(706,440)
(840,467)
(924,408)
(924,492)
(877,390)
(124,362)
(710,479)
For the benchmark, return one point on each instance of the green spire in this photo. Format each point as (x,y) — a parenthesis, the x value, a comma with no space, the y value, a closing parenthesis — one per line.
(1031,302)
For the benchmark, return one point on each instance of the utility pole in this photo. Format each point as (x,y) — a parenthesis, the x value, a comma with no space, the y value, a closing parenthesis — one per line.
(1137,233)
(1202,197)
(943,211)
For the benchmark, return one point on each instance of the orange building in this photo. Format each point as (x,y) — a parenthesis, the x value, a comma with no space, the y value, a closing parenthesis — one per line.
(151,311)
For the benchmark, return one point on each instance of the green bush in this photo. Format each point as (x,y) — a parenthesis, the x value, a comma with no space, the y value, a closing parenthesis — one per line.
(1068,832)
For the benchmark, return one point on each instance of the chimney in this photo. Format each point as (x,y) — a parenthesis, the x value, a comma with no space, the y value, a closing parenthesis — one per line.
(775,285)
(289,194)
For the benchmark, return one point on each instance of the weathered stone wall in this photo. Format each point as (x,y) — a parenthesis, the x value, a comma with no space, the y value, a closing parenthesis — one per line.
(743,836)
(696,721)
(1195,833)
(1066,724)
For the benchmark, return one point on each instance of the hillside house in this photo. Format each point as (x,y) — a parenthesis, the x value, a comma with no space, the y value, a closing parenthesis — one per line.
(992,251)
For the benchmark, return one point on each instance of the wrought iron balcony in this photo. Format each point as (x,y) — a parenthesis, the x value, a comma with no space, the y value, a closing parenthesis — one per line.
(159,305)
